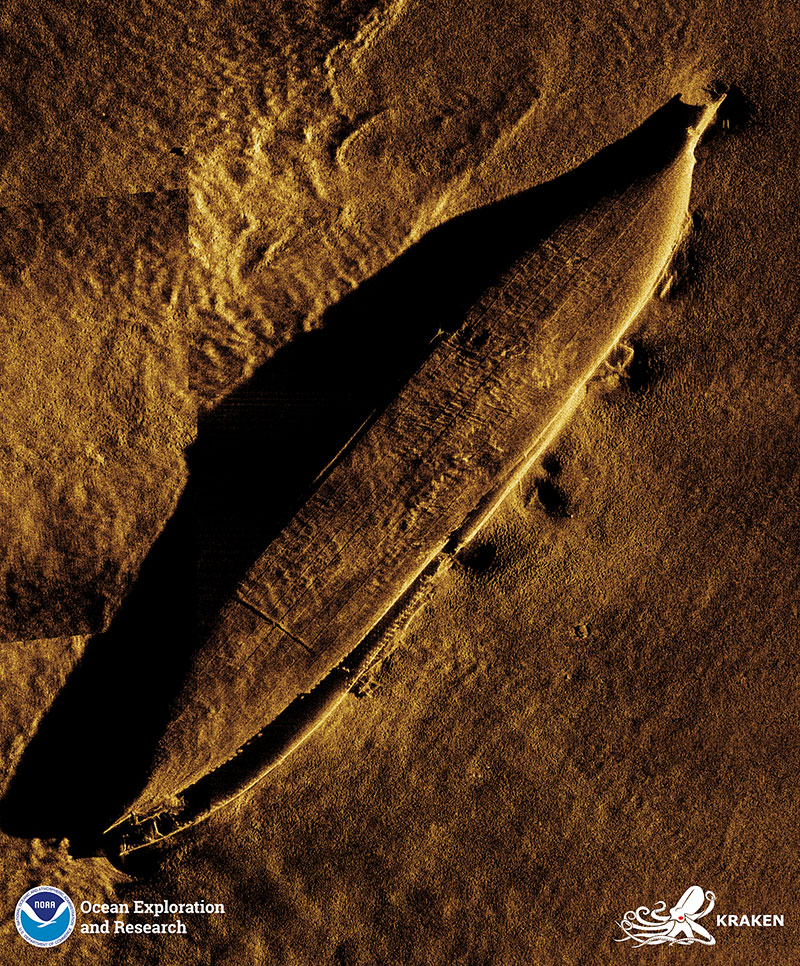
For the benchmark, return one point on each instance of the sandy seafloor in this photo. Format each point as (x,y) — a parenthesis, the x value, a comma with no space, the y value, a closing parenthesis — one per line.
(597,709)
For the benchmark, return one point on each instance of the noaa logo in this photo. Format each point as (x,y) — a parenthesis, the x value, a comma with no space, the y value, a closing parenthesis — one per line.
(679,927)
(45,916)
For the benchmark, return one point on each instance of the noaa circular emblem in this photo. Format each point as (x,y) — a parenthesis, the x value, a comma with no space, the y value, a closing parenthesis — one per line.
(45,916)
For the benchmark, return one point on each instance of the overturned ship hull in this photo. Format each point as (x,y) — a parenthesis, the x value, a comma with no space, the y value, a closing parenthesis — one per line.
(415,485)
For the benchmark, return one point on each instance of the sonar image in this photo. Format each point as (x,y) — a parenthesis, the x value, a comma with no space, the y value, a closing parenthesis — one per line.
(399,482)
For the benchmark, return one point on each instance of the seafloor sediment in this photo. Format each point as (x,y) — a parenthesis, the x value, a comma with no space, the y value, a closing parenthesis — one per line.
(597,709)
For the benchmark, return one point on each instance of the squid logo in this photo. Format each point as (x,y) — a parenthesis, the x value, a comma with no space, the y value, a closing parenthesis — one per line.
(679,928)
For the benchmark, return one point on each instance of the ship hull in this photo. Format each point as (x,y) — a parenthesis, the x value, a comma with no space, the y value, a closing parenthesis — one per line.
(425,474)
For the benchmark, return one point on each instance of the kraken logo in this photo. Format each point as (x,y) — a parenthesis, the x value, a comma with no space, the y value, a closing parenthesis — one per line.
(679,927)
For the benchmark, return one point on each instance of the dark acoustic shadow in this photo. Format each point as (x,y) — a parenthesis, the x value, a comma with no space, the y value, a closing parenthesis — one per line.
(255,457)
